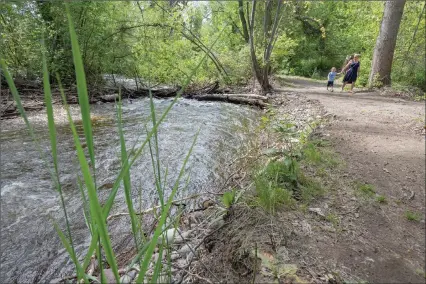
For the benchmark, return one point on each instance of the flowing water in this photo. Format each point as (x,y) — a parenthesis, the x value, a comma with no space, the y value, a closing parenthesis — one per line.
(30,248)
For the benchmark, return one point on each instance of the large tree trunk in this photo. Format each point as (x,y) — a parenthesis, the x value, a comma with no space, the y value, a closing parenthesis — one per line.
(385,44)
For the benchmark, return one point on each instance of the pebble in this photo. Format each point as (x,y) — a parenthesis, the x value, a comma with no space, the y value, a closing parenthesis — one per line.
(109,275)
(184,250)
(174,256)
(317,211)
(132,274)
(125,279)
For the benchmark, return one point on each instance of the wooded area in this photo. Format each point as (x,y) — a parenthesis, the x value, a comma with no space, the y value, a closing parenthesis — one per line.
(161,41)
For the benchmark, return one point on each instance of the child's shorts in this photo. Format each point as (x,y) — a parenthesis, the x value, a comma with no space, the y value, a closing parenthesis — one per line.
(330,83)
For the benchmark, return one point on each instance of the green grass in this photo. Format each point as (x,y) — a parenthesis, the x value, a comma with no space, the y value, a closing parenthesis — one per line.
(318,153)
(412,216)
(271,191)
(366,189)
(281,183)
(94,212)
(421,272)
(291,179)
(333,219)
(381,199)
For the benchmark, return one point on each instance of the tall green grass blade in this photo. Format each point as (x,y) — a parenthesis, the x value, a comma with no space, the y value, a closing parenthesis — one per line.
(157,152)
(93,230)
(49,110)
(95,207)
(92,248)
(156,173)
(103,279)
(53,143)
(165,177)
(143,250)
(162,221)
(85,207)
(83,98)
(158,265)
(126,178)
(71,252)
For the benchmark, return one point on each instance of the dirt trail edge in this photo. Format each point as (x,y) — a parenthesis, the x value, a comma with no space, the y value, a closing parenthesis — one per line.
(382,141)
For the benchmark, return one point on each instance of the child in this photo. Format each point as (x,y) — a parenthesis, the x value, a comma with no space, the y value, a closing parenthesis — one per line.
(331,77)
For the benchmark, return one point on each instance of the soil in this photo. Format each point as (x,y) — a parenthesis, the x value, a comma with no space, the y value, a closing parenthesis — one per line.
(345,235)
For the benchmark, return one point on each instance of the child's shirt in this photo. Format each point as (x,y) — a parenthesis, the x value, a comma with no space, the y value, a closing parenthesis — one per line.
(331,76)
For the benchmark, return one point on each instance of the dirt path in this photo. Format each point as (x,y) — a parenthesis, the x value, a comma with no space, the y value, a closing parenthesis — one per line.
(382,142)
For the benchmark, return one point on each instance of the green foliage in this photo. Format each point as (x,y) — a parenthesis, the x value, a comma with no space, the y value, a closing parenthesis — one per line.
(228,198)
(160,43)
(381,199)
(366,189)
(282,183)
(270,196)
(333,219)
(412,216)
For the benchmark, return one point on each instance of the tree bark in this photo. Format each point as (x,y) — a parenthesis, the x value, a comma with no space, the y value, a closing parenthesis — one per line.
(243,21)
(386,42)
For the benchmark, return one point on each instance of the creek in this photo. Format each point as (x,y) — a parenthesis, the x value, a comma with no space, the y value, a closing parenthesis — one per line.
(31,251)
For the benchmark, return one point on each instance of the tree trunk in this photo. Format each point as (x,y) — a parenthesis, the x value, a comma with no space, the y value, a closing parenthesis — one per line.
(243,21)
(386,42)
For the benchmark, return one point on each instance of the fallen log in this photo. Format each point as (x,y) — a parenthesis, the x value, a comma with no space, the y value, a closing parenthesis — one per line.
(232,98)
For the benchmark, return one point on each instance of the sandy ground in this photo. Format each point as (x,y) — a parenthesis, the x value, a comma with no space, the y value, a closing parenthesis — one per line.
(381,140)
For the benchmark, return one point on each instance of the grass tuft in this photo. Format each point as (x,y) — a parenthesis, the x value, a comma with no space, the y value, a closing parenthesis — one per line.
(381,199)
(366,189)
(412,216)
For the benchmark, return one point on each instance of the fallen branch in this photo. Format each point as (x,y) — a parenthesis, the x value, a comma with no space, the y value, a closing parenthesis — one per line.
(149,210)
(232,98)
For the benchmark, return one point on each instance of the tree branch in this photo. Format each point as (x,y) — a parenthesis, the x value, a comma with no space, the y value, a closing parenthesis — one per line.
(243,21)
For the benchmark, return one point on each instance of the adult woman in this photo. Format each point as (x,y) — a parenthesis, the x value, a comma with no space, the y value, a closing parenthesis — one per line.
(348,58)
(352,72)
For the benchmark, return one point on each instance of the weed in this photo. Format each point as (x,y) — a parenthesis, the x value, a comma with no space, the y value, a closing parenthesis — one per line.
(228,198)
(309,188)
(412,216)
(321,172)
(333,219)
(421,272)
(312,154)
(316,153)
(270,196)
(366,189)
(419,98)
(381,199)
